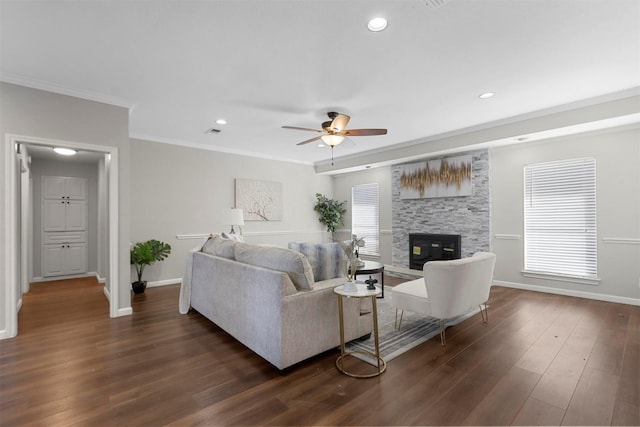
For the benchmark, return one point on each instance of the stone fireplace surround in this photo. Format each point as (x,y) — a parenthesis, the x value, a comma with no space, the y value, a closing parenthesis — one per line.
(469,216)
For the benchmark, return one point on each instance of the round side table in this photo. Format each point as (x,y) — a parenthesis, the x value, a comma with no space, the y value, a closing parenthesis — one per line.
(361,292)
(372,267)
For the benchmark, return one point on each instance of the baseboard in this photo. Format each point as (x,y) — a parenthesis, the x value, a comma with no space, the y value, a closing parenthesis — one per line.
(569,293)
(4,334)
(19,305)
(106,293)
(403,270)
(164,282)
(71,276)
(124,312)
(98,278)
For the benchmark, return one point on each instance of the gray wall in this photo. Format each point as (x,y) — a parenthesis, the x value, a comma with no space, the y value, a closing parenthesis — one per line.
(342,185)
(469,216)
(178,191)
(617,155)
(40,168)
(40,114)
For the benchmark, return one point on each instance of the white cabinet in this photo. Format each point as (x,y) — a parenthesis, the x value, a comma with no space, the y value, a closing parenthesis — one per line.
(63,259)
(64,224)
(64,215)
(60,187)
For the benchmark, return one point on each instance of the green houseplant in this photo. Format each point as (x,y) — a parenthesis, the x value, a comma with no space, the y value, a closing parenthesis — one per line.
(144,254)
(330,211)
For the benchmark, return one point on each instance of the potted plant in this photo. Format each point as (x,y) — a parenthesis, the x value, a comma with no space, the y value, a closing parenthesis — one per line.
(144,254)
(330,211)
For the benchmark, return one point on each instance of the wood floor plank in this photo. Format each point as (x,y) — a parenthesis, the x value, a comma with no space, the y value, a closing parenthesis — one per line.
(73,365)
(502,403)
(535,412)
(593,400)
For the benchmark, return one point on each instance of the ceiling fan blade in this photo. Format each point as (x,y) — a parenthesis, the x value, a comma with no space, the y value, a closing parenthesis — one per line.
(364,132)
(340,122)
(309,140)
(298,128)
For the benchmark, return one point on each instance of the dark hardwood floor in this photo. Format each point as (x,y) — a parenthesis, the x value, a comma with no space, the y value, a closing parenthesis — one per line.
(541,360)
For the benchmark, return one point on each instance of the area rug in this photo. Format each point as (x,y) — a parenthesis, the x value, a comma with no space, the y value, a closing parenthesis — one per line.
(415,330)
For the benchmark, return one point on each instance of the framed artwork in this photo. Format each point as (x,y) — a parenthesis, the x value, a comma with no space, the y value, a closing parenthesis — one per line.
(259,200)
(449,177)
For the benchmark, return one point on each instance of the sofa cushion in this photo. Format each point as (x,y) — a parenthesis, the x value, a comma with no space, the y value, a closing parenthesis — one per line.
(327,259)
(288,261)
(218,246)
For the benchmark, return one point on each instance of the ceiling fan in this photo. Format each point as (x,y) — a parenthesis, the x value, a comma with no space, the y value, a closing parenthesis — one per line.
(334,131)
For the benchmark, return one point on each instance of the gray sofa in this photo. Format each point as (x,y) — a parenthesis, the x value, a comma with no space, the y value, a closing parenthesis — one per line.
(269,300)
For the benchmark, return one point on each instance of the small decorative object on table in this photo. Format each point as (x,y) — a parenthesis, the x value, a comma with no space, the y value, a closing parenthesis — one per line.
(350,248)
(371,283)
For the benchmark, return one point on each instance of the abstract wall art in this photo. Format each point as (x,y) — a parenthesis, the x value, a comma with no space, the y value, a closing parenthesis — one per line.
(449,177)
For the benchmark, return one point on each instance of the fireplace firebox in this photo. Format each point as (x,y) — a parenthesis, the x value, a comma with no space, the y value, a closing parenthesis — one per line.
(431,247)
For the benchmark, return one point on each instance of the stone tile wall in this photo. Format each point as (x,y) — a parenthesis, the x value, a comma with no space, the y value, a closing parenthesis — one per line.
(469,216)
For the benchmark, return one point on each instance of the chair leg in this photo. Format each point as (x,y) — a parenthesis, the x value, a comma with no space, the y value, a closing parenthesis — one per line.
(397,323)
(484,313)
(442,339)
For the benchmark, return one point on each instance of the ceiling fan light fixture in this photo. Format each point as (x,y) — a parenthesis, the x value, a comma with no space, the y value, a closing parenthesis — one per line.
(64,151)
(377,24)
(332,140)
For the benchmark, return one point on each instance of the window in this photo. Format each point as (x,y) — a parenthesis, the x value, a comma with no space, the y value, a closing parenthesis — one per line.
(560,218)
(365,216)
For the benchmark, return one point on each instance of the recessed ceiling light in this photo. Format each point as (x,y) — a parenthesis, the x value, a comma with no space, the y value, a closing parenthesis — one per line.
(377,24)
(65,151)
(221,121)
(486,95)
(321,145)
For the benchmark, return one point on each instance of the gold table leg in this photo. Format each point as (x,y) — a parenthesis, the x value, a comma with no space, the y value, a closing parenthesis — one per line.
(381,363)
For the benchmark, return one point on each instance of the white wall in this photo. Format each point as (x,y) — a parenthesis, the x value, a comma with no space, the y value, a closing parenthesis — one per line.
(617,155)
(342,185)
(178,191)
(40,168)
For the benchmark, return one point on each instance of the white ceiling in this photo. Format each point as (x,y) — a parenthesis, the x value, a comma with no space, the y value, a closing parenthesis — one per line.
(180,65)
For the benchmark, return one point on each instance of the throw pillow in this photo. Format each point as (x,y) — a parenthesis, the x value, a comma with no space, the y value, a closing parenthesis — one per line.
(288,261)
(327,259)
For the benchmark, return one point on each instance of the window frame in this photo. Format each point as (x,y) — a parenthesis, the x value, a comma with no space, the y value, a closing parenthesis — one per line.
(372,239)
(560,201)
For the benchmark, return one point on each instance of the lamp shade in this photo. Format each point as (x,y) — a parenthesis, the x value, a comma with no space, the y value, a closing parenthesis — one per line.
(332,140)
(236,217)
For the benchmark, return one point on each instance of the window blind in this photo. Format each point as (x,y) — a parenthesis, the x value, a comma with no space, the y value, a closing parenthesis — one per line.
(365,216)
(560,218)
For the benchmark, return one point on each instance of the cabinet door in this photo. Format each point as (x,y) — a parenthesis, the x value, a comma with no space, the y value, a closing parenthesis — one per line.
(54,260)
(53,187)
(54,215)
(76,215)
(76,189)
(76,258)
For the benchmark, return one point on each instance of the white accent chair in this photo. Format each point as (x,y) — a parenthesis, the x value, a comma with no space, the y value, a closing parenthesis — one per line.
(448,289)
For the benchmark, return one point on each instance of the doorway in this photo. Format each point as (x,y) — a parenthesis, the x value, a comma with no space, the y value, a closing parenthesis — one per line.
(17,258)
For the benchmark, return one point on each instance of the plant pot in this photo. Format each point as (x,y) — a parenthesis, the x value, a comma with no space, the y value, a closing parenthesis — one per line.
(139,287)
